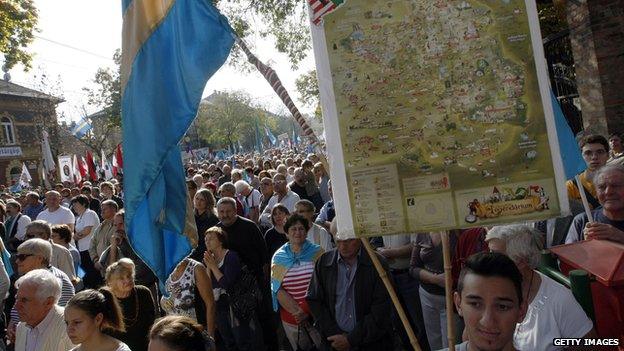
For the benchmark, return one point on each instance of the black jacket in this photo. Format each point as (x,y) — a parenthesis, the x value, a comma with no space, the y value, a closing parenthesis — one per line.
(373,328)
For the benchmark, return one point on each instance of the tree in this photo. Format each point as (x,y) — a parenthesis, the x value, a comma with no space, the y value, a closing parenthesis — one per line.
(106,94)
(18,23)
(309,95)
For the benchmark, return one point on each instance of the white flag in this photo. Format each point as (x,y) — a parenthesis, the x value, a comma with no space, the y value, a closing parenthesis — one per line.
(106,167)
(25,177)
(48,161)
(67,169)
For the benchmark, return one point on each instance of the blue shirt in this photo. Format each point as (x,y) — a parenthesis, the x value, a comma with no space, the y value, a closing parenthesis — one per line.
(345,295)
(33,211)
(326,214)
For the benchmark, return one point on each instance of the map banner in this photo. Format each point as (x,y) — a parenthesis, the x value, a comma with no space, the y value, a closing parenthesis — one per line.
(438,115)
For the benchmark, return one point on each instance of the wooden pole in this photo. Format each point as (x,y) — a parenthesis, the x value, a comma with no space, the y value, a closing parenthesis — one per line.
(393,296)
(448,291)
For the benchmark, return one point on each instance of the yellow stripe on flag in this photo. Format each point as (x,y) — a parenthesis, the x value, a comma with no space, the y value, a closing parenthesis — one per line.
(140,20)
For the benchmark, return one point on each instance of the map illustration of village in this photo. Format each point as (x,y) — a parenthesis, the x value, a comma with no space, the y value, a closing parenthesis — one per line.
(440,114)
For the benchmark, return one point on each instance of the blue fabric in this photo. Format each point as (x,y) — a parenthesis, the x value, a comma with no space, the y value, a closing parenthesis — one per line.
(285,258)
(159,103)
(270,135)
(6,259)
(124,5)
(571,157)
(81,128)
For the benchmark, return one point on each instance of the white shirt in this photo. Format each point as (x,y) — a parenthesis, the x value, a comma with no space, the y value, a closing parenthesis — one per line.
(393,242)
(21,227)
(88,219)
(318,235)
(61,216)
(35,336)
(289,201)
(553,313)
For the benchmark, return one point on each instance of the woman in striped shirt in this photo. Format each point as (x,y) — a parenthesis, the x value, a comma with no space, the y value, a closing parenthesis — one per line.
(291,270)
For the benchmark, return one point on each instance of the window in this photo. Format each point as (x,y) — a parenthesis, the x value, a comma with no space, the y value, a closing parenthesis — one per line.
(7,130)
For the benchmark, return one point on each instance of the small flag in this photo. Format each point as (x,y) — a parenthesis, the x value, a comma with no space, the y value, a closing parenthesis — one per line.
(270,135)
(322,7)
(25,177)
(77,171)
(49,167)
(106,166)
(82,128)
(91,166)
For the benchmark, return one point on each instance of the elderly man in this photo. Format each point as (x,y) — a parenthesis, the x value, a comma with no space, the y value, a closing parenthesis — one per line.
(34,206)
(42,326)
(349,301)
(244,237)
(595,152)
(228,189)
(108,193)
(266,189)
(61,257)
(15,225)
(102,234)
(250,198)
(283,195)
(227,175)
(609,219)
(55,213)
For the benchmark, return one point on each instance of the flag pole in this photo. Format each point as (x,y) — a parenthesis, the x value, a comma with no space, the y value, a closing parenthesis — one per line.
(448,289)
(393,296)
(581,189)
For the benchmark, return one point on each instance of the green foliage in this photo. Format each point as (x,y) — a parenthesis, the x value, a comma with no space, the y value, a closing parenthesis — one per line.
(308,89)
(106,94)
(18,23)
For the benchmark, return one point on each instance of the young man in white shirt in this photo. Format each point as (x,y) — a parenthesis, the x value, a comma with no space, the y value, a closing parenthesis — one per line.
(54,213)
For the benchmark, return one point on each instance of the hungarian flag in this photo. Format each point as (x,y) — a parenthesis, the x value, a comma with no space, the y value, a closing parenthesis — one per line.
(91,166)
(322,7)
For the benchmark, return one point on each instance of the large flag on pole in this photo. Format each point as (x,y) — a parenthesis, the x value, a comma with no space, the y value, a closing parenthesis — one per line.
(270,135)
(91,166)
(78,170)
(169,50)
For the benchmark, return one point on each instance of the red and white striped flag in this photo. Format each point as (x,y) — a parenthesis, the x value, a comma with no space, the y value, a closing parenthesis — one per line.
(322,7)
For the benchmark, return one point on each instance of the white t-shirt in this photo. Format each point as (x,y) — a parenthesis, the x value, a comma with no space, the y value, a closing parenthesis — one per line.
(318,235)
(289,200)
(61,216)
(553,313)
(88,219)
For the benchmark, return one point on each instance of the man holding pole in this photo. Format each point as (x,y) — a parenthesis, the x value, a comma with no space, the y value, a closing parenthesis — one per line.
(348,300)
(608,221)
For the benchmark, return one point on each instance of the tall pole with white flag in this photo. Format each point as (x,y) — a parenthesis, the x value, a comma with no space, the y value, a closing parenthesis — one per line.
(25,177)
(49,167)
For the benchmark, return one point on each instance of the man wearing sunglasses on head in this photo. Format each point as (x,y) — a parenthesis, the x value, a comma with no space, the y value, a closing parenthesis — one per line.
(61,257)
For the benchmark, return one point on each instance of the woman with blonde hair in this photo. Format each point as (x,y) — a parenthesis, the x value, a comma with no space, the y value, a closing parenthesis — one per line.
(136,303)
(91,313)
(205,217)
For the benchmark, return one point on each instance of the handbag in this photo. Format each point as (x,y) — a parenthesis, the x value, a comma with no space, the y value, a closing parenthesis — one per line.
(244,295)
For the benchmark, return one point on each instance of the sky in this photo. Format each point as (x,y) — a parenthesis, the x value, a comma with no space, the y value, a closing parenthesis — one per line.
(77,37)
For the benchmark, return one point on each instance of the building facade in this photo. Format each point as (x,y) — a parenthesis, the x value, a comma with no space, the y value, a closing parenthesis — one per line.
(24,115)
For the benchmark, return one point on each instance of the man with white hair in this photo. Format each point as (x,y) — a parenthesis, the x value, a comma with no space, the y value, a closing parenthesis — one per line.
(199,180)
(282,195)
(553,312)
(250,198)
(608,221)
(55,213)
(42,326)
(61,257)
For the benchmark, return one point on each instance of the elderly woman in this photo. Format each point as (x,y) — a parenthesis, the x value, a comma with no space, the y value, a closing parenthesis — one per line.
(225,268)
(136,304)
(552,310)
(205,217)
(291,270)
(276,236)
(86,221)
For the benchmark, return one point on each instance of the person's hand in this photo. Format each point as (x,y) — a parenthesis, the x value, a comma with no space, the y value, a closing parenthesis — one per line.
(386,252)
(209,260)
(10,332)
(440,280)
(300,316)
(603,231)
(339,342)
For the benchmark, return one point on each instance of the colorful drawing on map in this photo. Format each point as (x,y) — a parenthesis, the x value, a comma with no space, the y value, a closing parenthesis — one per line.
(446,95)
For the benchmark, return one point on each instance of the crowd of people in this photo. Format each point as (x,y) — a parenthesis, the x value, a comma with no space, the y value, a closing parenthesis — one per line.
(269,272)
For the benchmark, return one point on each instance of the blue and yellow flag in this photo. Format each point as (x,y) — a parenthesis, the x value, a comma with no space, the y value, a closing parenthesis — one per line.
(170,48)
(571,157)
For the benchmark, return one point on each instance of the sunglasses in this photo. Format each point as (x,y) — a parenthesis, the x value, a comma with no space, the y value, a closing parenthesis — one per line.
(22,257)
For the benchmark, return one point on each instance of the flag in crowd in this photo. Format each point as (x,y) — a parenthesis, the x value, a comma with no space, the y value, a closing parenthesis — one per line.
(49,167)
(25,177)
(105,166)
(571,157)
(270,135)
(91,166)
(167,58)
(320,8)
(78,170)
(81,128)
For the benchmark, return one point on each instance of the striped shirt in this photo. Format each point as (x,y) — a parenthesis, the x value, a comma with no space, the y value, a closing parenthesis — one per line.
(296,283)
(67,291)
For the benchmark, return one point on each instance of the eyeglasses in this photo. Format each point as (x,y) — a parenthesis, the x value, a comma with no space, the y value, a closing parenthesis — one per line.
(22,257)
